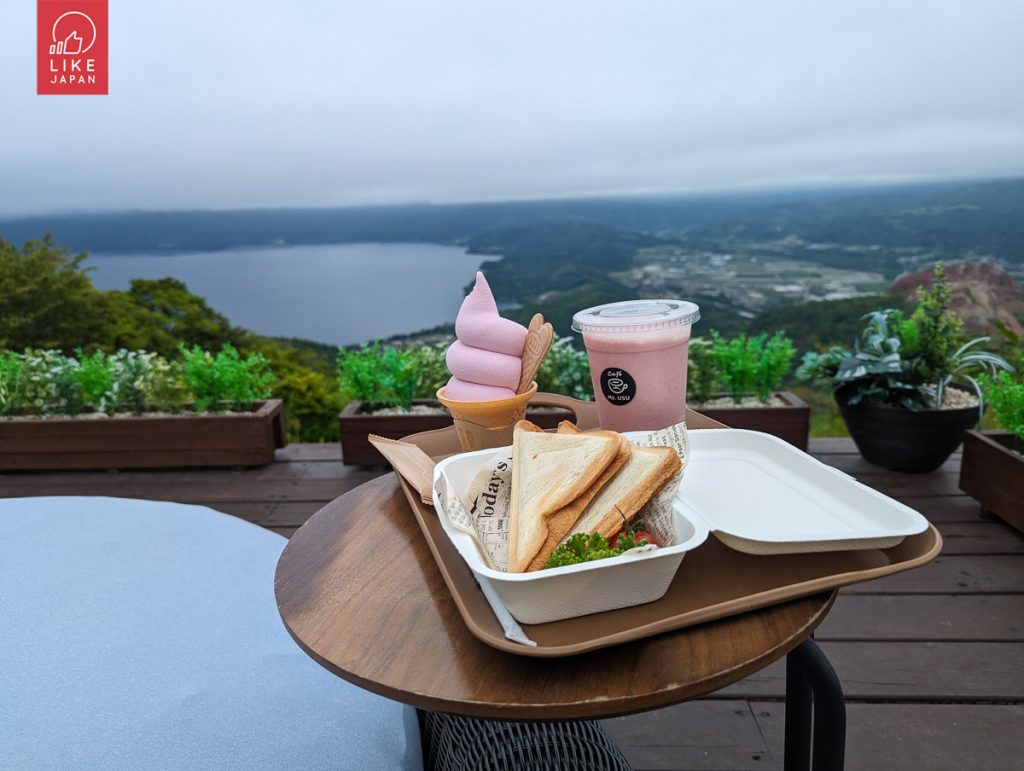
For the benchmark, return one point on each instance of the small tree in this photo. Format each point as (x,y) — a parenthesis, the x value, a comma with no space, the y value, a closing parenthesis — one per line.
(46,297)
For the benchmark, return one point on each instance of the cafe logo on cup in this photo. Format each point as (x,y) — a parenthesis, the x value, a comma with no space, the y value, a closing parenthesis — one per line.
(71,47)
(618,386)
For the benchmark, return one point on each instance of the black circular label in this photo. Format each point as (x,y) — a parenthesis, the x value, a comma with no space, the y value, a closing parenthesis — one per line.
(618,386)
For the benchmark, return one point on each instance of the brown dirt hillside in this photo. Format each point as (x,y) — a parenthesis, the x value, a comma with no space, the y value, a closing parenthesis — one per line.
(980,291)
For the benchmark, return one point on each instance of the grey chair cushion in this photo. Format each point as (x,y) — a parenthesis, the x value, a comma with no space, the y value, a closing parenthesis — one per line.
(455,743)
(138,634)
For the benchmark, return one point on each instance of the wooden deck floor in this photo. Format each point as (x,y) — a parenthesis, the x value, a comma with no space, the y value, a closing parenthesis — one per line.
(932,661)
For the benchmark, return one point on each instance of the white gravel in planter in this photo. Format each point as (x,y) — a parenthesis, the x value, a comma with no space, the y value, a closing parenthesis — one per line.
(724,402)
(427,409)
(416,409)
(124,415)
(956,399)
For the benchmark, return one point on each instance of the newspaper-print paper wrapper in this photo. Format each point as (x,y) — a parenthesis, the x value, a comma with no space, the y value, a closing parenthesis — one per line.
(482,511)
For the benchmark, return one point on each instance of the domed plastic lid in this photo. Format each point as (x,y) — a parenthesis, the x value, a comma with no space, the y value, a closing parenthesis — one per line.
(636,316)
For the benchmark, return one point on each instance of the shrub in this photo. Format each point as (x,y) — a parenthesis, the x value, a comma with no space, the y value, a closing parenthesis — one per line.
(309,387)
(10,383)
(932,334)
(164,384)
(752,365)
(1006,397)
(701,371)
(143,379)
(1010,345)
(429,361)
(379,376)
(37,392)
(225,379)
(566,370)
(128,370)
(94,377)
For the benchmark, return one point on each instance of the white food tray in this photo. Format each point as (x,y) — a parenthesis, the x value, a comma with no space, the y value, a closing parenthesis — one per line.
(761,495)
(574,590)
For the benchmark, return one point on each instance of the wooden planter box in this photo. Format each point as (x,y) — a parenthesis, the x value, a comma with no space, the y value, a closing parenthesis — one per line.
(354,426)
(792,422)
(236,439)
(993,474)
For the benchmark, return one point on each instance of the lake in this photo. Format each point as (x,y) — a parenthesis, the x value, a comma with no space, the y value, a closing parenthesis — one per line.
(338,294)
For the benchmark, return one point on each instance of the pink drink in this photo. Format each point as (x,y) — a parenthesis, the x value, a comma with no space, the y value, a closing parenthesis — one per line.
(638,354)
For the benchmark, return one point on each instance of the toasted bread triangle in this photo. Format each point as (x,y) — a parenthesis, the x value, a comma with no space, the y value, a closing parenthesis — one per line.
(619,501)
(550,471)
(561,523)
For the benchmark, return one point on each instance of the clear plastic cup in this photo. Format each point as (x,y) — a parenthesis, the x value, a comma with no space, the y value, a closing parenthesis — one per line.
(638,353)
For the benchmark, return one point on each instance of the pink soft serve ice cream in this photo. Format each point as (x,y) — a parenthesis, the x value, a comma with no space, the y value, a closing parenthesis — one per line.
(487,359)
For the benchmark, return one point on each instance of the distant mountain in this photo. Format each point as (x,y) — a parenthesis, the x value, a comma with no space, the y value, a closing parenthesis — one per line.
(954,219)
(198,231)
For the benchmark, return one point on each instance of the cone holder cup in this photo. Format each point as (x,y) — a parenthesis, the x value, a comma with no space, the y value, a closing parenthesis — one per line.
(482,425)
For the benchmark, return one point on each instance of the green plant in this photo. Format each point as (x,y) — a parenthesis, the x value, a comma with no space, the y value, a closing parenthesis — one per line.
(931,336)
(1010,344)
(429,361)
(379,376)
(46,297)
(70,398)
(313,403)
(752,364)
(225,379)
(963,364)
(819,368)
(701,371)
(880,369)
(129,371)
(10,383)
(36,389)
(1006,397)
(94,378)
(874,373)
(164,384)
(566,370)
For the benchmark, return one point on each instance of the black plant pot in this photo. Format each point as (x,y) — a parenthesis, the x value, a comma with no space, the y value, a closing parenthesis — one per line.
(902,440)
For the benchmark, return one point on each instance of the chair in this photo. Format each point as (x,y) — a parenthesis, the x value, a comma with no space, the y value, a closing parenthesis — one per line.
(141,634)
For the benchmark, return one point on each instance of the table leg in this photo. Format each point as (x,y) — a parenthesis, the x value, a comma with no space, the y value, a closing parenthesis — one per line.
(797,752)
(812,682)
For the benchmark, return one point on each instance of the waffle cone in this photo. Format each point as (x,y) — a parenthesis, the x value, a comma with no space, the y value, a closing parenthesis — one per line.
(481,425)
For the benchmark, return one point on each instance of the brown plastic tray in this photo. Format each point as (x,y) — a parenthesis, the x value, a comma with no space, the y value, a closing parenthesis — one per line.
(713,581)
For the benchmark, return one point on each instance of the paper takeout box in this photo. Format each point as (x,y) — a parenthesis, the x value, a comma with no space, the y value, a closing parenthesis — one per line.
(574,590)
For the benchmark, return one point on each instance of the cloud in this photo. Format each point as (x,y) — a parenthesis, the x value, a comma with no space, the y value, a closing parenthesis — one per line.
(213,104)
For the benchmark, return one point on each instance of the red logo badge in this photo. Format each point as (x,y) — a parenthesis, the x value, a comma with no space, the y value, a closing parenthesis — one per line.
(71,54)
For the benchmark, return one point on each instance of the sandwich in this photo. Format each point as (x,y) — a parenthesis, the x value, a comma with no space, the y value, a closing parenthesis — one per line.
(573,481)
(549,472)
(562,522)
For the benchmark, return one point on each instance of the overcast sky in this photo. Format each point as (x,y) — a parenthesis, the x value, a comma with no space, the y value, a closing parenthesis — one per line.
(218,103)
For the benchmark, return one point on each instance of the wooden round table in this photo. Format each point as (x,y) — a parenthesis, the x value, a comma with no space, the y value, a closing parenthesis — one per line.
(360,592)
